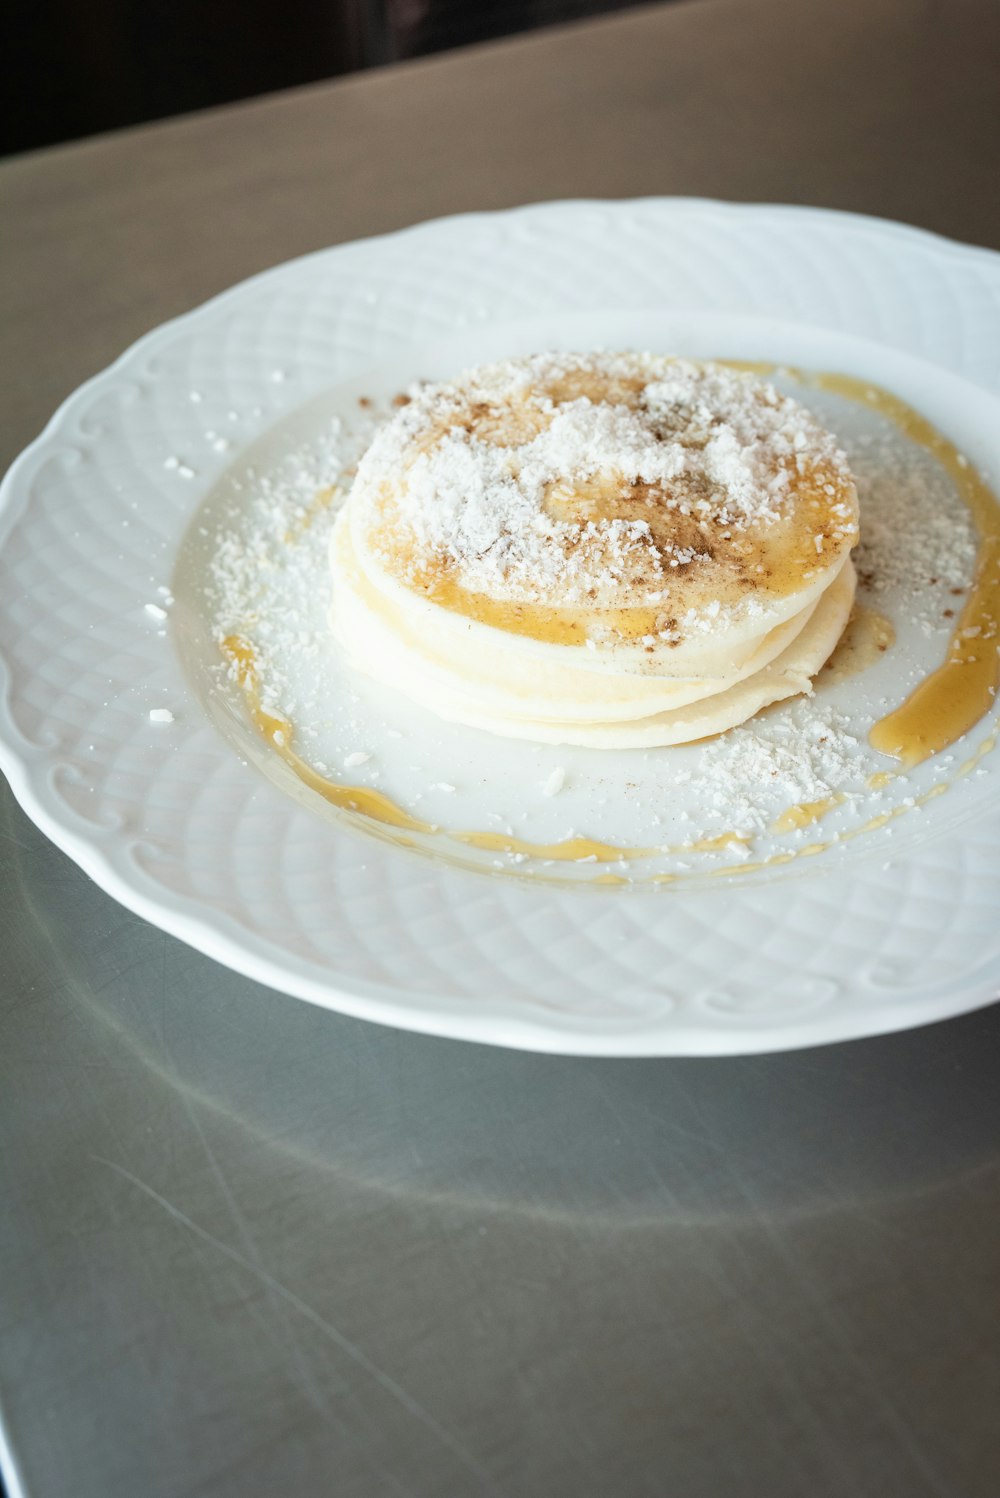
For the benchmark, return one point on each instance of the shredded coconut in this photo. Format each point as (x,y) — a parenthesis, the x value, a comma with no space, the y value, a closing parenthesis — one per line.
(595,480)
(270,580)
(269,564)
(912,540)
(916,556)
(804,755)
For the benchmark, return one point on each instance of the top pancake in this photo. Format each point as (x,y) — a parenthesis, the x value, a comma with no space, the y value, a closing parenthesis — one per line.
(666,514)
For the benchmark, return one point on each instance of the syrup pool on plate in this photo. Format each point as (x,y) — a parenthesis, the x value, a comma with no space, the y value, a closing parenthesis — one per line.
(881,739)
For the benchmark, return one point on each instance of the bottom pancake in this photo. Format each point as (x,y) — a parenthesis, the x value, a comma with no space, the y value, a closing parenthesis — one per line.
(788,674)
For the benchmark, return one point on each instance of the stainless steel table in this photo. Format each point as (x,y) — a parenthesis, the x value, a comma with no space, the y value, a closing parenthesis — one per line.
(249,1247)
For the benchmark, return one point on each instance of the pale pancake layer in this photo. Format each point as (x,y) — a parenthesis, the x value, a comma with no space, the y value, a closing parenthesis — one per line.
(596,549)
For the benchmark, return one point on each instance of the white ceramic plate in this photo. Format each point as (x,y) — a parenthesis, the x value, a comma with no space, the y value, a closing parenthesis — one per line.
(889,930)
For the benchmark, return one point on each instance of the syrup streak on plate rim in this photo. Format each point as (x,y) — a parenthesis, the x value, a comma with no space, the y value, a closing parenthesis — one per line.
(162,812)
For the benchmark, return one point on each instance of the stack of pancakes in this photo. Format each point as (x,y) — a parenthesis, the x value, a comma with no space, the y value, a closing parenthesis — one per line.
(615,550)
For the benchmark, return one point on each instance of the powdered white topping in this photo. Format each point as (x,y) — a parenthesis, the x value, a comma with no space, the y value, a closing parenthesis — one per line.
(555,782)
(580,480)
(803,756)
(912,538)
(916,555)
(270,582)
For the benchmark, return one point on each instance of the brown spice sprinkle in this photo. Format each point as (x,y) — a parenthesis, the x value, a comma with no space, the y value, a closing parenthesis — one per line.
(566,480)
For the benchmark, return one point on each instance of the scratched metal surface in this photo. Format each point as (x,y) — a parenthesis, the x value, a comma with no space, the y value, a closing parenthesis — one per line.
(247,1246)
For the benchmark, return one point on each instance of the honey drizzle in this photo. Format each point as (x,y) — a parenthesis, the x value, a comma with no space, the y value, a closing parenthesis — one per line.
(716,844)
(587,850)
(868,636)
(279,733)
(554,626)
(931,794)
(943,707)
(779,550)
(952,699)
(571,850)
(806,813)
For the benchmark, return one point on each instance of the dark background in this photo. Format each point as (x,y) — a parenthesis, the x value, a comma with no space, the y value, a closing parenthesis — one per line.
(75,67)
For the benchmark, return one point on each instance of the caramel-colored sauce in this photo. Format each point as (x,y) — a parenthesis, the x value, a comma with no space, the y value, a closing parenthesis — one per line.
(943,707)
(952,699)
(365,801)
(770,564)
(935,791)
(770,561)
(279,733)
(553,626)
(716,844)
(586,850)
(755,867)
(762,368)
(571,850)
(986,747)
(867,637)
(806,813)
(873,824)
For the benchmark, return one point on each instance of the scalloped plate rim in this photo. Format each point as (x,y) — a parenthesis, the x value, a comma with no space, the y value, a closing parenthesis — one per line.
(371,1001)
